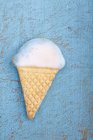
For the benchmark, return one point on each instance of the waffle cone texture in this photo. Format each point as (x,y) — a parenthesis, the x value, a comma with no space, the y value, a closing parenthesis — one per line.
(35,84)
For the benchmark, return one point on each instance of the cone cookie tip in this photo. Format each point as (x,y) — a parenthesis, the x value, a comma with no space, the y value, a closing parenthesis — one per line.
(30,117)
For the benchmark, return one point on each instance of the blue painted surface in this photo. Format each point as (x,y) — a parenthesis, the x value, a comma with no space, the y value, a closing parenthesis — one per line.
(67,111)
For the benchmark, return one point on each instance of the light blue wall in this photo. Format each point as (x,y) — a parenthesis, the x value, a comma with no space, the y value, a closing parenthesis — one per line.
(67,111)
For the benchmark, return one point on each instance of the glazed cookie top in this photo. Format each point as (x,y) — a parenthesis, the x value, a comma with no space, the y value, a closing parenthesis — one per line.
(39,52)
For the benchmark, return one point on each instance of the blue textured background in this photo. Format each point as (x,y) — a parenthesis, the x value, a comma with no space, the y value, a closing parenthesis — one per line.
(67,111)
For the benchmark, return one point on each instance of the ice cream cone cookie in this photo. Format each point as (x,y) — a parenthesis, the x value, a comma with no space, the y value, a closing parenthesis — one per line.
(37,62)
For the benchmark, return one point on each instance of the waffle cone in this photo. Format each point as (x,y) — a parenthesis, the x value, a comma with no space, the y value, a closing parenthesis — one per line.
(35,84)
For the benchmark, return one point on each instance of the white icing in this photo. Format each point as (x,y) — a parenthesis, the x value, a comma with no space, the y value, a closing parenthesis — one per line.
(39,53)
